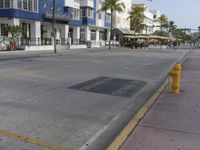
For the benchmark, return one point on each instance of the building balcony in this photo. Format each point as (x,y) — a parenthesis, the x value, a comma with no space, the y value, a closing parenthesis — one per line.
(88,21)
(18,13)
(108,24)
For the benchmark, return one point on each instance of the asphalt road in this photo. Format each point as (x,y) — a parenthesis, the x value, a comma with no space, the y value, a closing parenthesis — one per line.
(37,101)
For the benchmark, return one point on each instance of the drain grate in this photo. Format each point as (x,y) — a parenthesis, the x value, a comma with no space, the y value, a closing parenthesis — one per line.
(111,86)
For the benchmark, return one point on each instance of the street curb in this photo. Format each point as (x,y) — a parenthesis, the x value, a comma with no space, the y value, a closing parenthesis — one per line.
(124,134)
(129,128)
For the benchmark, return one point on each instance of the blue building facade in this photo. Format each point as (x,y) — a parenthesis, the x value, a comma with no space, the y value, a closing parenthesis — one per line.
(75,19)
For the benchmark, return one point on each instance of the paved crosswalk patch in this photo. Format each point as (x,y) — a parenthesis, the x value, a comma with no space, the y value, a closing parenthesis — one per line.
(111,86)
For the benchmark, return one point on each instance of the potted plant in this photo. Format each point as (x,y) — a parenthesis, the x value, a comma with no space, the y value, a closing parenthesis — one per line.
(13,32)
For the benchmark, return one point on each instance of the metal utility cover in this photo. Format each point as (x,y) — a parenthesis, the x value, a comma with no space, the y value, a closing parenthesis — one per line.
(111,86)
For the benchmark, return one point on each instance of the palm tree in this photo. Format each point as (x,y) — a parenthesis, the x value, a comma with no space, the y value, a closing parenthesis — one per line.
(172,26)
(136,16)
(113,6)
(163,20)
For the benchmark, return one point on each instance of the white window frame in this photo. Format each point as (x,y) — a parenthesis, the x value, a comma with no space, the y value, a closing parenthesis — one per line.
(26,5)
(90,12)
(33,4)
(108,17)
(76,14)
(4,2)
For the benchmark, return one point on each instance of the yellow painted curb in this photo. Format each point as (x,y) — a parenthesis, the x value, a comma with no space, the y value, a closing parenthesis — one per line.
(31,140)
(121,138)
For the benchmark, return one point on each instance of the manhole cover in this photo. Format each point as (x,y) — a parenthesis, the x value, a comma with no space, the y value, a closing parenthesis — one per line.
(111,86)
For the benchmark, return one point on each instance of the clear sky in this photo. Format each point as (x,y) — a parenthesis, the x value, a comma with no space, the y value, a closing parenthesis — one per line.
(185,13)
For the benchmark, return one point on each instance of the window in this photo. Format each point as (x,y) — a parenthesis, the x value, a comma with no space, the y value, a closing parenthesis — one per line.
(7,4)
(1,4)
(82,34)
(102,35)
(77,1)
(30,6)
(3,32)
(19,4)
(25,4)
(108,17)
(76,14)
(35,4)
(100,15)
(83,10)
(89,12)
(93,35)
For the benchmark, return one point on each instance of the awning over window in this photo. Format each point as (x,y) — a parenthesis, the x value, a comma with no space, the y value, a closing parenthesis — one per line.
(123,31)
(147,37)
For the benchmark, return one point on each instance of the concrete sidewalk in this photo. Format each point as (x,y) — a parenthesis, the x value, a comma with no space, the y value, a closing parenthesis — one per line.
(173,123)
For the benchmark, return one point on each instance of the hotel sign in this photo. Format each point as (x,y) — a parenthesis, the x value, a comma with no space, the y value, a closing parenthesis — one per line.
(62,17)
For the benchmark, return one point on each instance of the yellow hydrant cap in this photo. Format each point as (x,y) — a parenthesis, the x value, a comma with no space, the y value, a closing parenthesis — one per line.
(177,66)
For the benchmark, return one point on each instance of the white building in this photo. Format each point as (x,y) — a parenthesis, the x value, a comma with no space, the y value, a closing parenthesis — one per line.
(156,15)
(121,20)
(150,19)
(95,26)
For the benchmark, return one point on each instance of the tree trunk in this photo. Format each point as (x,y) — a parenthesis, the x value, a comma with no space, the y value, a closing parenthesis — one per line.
(111,26)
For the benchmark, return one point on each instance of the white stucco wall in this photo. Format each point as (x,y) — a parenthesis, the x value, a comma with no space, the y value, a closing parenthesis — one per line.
(100,22)
(121,18)
(88,3)
(149,20)
(71,3)
(157,14)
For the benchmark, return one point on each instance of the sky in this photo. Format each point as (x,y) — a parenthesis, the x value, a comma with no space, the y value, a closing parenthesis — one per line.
(185,13)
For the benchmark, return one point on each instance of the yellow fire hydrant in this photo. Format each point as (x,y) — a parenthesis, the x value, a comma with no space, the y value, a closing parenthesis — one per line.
(175,74)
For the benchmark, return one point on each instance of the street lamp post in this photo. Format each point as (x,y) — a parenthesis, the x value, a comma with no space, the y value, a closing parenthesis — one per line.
(53,26)
(198,36)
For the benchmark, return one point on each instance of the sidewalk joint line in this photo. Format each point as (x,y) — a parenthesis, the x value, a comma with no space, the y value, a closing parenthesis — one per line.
(170,130)
(191,81)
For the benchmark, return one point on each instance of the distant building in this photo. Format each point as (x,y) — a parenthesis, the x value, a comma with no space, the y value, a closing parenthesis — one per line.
(150,19)
(156,15)
(195,35)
